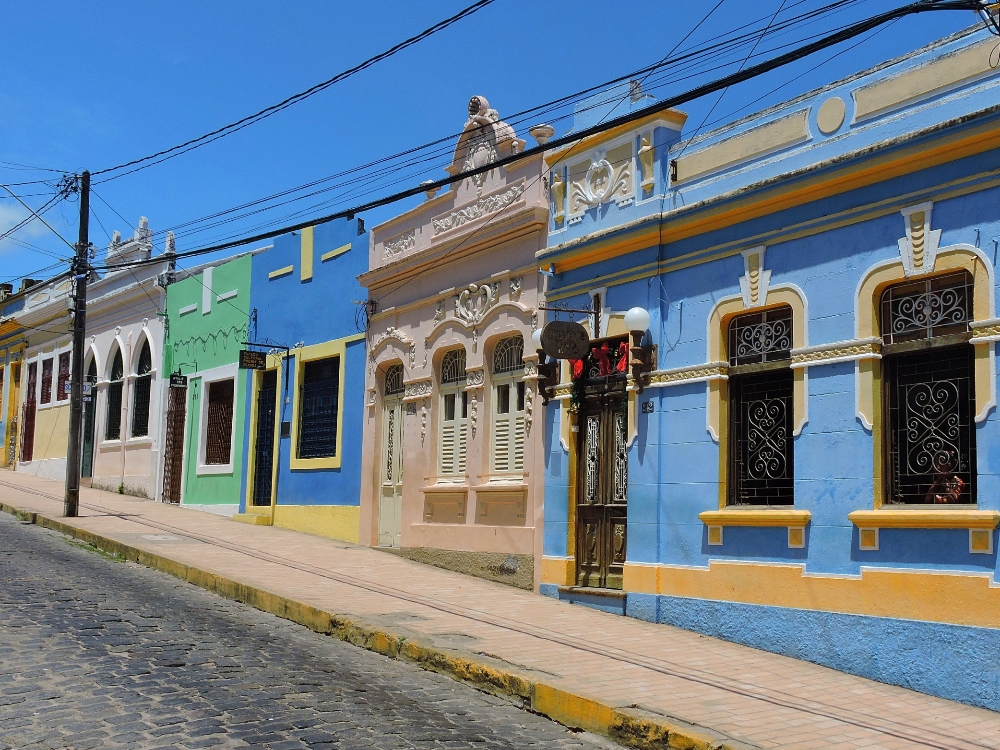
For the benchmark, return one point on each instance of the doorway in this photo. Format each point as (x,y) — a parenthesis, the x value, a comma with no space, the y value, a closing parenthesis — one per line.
(263,459)
(390,509)
(173,448)
(602,490)
(89,416)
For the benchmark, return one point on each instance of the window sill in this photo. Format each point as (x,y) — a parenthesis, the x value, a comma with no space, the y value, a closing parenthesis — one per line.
(925,518)
(213,469)
(446,488)
(783,517)
(143,440)
(307,464)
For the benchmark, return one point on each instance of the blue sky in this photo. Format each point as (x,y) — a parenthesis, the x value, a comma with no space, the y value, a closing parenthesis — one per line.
(93,85)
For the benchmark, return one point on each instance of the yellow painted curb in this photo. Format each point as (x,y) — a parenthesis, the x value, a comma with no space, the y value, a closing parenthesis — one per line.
(254,519)
(630,727)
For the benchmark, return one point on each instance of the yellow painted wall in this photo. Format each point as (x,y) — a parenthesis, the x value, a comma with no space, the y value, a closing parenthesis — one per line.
(335,521)
(51,433)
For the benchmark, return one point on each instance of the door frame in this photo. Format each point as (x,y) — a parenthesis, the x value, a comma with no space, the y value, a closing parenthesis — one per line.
(392,403)
(273,363)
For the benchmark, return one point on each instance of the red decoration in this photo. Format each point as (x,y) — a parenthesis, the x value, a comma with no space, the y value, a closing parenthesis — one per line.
(622,365)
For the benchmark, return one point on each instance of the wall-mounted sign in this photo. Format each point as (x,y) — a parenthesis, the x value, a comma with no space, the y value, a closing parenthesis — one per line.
(87,388)
(177,380)
(564,339)
(648,407)
(286,429)
(252,360)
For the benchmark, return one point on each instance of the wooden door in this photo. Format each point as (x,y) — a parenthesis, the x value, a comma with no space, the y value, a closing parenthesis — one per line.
(390,515)
(173,450)
(602,491)
(28,420)
(13,399)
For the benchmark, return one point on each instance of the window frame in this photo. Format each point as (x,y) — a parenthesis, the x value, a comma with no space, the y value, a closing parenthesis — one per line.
(204,380)
(61,382)
(927,346)
(459,420)
(738,375)
(136,377)
(112,383)
(511,379)
(301,413)
(50,362)
(325,350)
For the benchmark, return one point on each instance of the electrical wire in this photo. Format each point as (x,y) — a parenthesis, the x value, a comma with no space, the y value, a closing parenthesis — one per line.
(740,76)
(244,122)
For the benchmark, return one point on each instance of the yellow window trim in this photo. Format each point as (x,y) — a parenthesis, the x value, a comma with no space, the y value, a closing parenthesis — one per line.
(306,253)
(925,518)
(334,253)
(281,272)
(272,363)
(756,517)
(336,348)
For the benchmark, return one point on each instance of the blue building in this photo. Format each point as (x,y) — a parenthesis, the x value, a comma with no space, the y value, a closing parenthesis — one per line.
(306,407)
(811,464)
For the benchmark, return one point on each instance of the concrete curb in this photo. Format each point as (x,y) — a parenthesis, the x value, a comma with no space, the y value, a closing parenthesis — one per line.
(631,727)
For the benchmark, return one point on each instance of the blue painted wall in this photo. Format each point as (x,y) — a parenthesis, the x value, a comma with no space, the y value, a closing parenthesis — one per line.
(291,311)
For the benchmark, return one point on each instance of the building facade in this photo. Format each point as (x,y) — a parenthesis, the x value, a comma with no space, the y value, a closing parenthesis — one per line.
(809,467)
(13,342)
(121,419)
(305,408)
(453,475)
(208,319)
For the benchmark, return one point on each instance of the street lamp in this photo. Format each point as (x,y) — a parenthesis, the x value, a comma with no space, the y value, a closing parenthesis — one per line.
(641,357)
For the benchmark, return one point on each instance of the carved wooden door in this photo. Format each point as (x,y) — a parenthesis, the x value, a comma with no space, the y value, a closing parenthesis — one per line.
(602,491)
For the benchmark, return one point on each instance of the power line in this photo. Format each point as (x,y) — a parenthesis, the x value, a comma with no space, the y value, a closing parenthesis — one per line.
(233,127)
(844,34)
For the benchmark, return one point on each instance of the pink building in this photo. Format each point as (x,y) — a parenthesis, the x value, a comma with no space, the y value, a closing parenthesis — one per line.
(454,476)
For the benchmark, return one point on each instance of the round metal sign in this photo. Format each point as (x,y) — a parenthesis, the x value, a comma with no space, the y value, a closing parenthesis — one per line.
(563,339)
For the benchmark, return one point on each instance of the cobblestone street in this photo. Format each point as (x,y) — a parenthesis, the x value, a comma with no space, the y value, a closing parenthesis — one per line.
(99,653)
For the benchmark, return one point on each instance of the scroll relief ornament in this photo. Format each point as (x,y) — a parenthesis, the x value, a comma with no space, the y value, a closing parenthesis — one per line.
(515,288)
(390,333)
(473,303)
(400,244)
(602,183)
(484,206)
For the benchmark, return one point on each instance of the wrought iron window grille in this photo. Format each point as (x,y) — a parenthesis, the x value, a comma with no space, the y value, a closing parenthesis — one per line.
(393,380)
(927,309)
(219,423)
(113,423)
(453,367)
(757,338)
(319,406)
(263,465)
(508,355)
(141,391)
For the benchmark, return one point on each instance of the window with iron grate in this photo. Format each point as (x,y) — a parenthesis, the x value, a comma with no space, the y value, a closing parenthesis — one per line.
(113,421)
(141,393)
(30,405)
(454,415)
(928,381)
(219,422)
(761,454)
(393,380)
(319,402)
(508,406)
(62,382)
(46,381)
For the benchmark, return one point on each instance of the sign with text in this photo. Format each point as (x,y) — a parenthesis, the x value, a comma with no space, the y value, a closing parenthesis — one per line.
(563,339)
(252,360)
(178,381)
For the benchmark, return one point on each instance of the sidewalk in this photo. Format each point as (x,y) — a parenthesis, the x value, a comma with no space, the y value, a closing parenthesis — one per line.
(643,684)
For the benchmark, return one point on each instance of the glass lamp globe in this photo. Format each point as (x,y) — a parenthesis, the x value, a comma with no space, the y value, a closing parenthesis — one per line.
(637,319)
(536,338)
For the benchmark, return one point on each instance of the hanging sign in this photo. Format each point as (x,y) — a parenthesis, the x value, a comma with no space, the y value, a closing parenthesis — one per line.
(178,381)
(253,360)
(564,339)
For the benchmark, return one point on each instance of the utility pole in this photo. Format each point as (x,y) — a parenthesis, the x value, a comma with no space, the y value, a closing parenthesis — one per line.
(81,273)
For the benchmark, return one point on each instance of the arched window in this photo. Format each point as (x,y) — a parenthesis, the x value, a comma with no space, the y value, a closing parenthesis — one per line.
(928,365)
(141,392)
(454,414)
(113,422)
(761,419)
(393,380)
(508,405)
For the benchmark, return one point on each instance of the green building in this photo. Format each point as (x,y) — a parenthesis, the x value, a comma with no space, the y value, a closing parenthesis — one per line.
(208,318)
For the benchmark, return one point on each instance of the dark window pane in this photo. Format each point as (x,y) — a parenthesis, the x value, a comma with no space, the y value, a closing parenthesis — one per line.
(113,425)
(465,404)
(520,396)
(319,397)
(46,381)
(449,407)
(760,431)
(219,427)
(503,399)
(62,392)
(761,337)
(140,406)
(931,437)
(928,308)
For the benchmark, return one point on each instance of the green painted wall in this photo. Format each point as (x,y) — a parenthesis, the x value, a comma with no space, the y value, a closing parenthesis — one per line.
(203,334)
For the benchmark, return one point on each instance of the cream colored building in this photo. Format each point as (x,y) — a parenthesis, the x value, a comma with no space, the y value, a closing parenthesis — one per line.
(121,417)
(452,470)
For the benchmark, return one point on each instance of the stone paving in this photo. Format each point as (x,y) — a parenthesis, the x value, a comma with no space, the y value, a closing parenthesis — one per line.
(753,698)
(102,654)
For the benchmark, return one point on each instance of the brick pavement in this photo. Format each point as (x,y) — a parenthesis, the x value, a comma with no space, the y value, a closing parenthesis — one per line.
(97,654)
(750,698)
